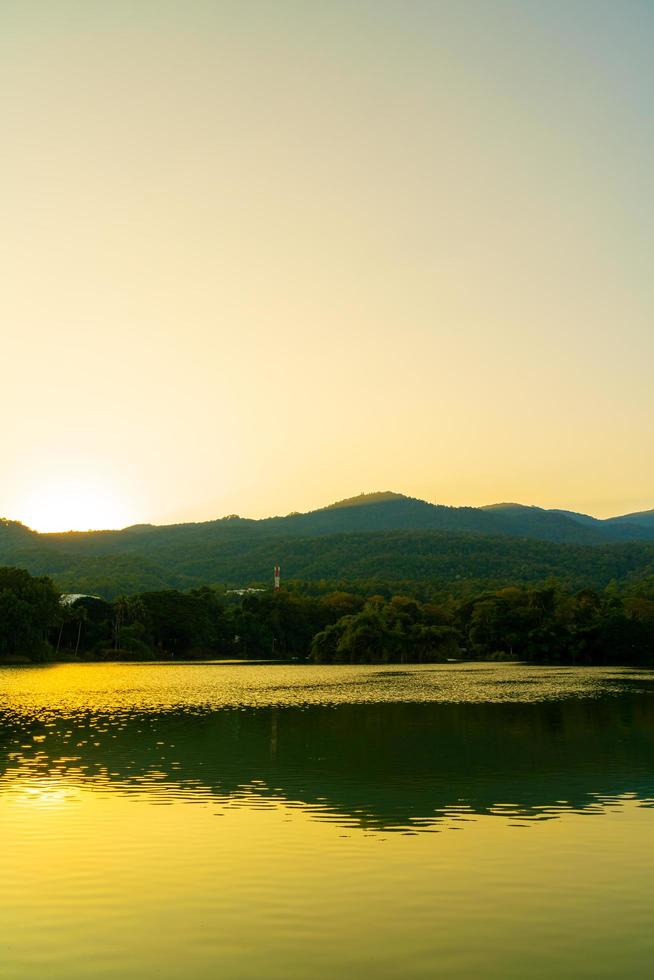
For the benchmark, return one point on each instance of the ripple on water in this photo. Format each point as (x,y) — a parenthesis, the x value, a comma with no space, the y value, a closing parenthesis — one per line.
(119,689)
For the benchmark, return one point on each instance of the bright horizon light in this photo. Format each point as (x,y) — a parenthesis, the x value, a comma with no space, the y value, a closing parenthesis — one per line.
(73,504)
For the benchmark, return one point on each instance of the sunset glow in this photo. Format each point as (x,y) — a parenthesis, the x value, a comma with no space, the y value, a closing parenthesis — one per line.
(64,505)
(261,257)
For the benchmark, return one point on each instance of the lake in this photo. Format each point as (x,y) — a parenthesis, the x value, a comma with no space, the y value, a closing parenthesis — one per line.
(239,821)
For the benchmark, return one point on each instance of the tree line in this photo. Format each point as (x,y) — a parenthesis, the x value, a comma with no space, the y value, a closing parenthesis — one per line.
(318,623)
(114,563)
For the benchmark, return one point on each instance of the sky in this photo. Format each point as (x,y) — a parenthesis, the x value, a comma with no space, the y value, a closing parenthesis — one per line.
(261,255)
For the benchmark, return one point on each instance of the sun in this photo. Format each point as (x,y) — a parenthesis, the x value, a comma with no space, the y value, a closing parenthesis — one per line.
(73,504)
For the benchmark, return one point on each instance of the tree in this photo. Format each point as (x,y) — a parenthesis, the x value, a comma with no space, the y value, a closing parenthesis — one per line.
(29,608)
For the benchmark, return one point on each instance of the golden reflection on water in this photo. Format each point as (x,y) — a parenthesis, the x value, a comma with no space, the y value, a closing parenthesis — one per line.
(115,887)
(43,793)
(277,822)
(74,688)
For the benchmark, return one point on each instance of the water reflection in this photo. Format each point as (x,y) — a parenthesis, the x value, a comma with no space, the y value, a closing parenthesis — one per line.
(379,765)
(278,822)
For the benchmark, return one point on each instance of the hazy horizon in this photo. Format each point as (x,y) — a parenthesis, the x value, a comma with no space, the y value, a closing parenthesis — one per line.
(257,256)
(323,505)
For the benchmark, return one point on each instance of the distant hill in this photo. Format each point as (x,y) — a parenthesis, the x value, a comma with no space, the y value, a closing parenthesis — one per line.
(384,537)
(643,519)
(580,518)
(364,499)
(389,511)
(552,525)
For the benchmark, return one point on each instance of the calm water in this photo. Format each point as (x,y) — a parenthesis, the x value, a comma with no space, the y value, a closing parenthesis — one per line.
(183,821)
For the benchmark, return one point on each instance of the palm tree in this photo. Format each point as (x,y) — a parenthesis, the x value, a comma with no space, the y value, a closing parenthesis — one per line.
(126,610)
(80,616)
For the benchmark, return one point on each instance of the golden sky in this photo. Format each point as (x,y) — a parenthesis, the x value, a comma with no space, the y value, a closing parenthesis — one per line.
(258,256)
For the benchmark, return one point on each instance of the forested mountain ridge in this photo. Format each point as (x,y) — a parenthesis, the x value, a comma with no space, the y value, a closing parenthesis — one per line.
(385,511)
(538,522)
(376,538)
(644,518)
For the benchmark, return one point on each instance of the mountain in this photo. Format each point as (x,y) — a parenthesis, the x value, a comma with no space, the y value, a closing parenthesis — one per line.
(385,511)
(580,518)
(388,511)
(643,519)
(556,525)
(382,537)
(365,499)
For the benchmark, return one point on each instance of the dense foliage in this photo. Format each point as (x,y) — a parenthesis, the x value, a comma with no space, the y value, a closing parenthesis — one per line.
(384,537)
(189,556)
(539,624)
(29,607)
